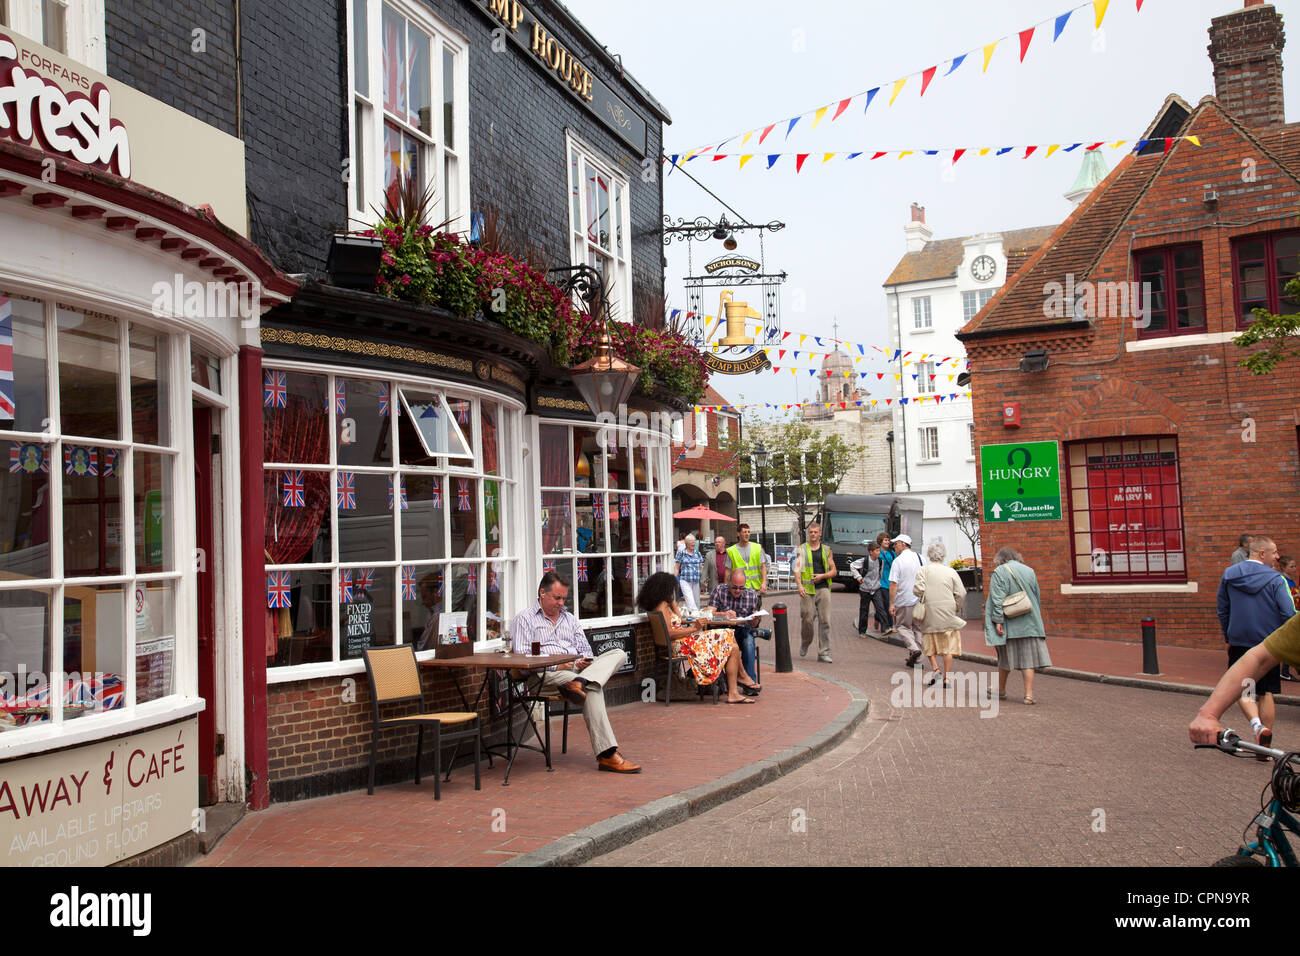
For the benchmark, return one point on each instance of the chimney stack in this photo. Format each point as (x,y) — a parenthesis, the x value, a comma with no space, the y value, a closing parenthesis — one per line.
(916,231)
(1246,50)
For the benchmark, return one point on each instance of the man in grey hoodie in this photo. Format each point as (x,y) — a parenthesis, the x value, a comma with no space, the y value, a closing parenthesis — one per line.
(1243,550)
(1253,602)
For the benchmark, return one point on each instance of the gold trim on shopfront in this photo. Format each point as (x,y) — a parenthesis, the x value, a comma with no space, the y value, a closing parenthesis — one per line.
(572,404)
(333,343)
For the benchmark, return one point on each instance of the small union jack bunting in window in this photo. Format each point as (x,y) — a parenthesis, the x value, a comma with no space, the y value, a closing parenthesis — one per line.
(645,507)
(345,587)
(383,398)
(437,494)
(363,579)
(409,592)
(547,566)
(598,506)
(471,581)
(277,589)
(340,399)
(401,492)
(462,412)
(462,495)
(627,569)
(494,580)
(110,462)
(624,507)
(347,492)
(439,582)
(275,389)
(582,569)
(294,488)
(81,461)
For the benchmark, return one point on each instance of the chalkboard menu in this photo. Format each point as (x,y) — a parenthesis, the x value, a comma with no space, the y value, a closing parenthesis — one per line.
(615,638)
(357,629)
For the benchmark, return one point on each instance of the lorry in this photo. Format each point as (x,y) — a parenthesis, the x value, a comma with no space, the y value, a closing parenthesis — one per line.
(851,522)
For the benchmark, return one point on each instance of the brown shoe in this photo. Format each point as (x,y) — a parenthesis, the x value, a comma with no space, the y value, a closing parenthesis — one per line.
(616,763)
(573,692)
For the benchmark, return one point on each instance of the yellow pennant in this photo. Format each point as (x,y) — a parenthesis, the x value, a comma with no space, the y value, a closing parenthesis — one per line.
(984,151)
(906,152)
(897,377)
(898,88)
(746,139)
(818,118)
(988,54)
(1119,144)
(745,159)
(951,377)
(801,338)
(826,157)
(1100,7)
(1053,148)
(1195,140)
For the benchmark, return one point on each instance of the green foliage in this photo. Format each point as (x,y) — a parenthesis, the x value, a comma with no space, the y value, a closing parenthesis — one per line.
(966,514)
(1273,331)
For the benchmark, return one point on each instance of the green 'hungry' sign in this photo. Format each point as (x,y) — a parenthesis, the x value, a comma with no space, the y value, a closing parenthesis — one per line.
(1021,482)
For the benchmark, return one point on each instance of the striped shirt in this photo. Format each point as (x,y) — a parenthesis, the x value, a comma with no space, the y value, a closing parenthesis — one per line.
(689,565)
(564,636)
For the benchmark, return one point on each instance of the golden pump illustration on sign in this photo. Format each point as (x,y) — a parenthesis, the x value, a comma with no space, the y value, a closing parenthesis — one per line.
(738,316)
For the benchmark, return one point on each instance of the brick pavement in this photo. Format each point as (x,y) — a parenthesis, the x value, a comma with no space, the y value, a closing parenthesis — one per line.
(401,825)
(1031,786)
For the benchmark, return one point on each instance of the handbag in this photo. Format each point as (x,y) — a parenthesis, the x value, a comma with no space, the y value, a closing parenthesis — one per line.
(918,610)
(1016,603)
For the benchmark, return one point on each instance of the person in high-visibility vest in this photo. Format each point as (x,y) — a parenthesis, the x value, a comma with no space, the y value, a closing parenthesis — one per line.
(749,557)
(814,569)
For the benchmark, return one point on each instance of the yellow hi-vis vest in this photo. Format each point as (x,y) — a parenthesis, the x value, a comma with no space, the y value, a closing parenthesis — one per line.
(806,574)
(753,565)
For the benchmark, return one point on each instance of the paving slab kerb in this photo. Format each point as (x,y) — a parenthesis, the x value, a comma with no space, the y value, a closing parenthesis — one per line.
(694,755)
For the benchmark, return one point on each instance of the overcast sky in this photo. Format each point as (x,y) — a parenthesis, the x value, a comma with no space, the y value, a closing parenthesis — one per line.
(722,68)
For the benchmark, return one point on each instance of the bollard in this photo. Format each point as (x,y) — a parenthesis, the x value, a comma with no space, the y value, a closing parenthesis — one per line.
(1149,663)
(781,635)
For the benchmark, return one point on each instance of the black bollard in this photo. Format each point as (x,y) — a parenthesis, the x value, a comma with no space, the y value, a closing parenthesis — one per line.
(781,635)
(1149,663)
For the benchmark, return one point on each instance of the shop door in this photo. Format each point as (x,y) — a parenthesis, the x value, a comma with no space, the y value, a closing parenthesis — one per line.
(204,447)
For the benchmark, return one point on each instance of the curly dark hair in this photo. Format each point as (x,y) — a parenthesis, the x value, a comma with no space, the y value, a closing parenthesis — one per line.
(658,588)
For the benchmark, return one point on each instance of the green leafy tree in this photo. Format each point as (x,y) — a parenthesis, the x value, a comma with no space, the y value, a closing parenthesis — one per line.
(1274,331)
(965,505)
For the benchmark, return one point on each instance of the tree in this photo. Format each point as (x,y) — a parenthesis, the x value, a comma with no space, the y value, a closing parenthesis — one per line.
(965,505)
(1273,330)
(805,464)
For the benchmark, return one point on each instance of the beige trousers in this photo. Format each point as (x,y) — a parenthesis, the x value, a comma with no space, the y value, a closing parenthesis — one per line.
(593,711)
(816,606)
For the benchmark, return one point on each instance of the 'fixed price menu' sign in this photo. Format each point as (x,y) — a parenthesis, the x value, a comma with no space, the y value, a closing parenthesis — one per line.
(1021,481)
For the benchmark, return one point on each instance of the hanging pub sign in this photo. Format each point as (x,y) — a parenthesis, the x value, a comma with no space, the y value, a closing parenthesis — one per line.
(737,316)
(566,69)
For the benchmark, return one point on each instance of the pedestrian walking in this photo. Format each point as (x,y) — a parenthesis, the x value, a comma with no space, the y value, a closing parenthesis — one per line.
(1013,621)
(902,600)
(690,564)
(940,589)
(866,571)
(1253,602)
(1243,550)
(884,620)
(1287,565)
(814,569)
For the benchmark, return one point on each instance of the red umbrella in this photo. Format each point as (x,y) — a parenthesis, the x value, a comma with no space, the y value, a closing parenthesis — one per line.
(699,513)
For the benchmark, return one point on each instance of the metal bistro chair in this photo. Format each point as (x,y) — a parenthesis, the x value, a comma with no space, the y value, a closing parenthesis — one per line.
(395,679)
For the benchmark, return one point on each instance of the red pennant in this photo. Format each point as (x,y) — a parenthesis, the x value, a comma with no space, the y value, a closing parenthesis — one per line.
(1169,140)
(844,404)
(880,375)
(926,77)
(798,161)
(957,154)
(888,400)
(878,155)
(844,104)
(1025,37)
(1139,6)
(781,355)
(784,336)
(718,156)
(765,132)
(1094,146)
(1029,151)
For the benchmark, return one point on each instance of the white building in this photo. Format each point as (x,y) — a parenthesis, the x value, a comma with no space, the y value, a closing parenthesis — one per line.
(936,288)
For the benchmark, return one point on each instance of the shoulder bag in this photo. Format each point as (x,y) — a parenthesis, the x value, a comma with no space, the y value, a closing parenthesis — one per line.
(1016,603)
(918,610)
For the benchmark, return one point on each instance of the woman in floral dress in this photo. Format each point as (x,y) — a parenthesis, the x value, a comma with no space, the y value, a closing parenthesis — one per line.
(711,653)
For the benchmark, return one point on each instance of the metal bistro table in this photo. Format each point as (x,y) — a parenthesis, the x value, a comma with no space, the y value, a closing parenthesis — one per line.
(507,662)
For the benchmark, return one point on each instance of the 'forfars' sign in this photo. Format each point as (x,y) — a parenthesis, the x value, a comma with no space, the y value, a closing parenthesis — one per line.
(35,110)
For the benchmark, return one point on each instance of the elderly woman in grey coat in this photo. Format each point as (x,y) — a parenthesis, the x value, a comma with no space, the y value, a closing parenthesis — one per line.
(940,587)
(1020,641)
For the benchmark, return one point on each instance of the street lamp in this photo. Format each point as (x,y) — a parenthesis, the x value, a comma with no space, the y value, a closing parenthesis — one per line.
(760,465)
(890,440)
(604,381)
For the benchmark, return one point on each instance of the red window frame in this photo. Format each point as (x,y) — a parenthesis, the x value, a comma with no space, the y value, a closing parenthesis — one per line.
(1170,275)
(1126,482)
(1274,280)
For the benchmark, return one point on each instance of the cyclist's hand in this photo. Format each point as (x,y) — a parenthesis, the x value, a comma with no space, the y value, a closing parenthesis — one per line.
(1204,729)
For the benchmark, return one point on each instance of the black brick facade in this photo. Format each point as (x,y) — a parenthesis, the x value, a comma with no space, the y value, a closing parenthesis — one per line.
(294,119)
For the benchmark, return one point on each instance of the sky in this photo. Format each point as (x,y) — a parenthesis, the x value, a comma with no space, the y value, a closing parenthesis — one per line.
(724,68)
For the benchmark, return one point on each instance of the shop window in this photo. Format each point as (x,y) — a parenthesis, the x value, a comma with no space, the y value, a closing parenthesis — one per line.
(1126,518)
(1177,292)
(1262,267)
(89,569)
(409,114)
(601,525)
(600,225)
(395,531)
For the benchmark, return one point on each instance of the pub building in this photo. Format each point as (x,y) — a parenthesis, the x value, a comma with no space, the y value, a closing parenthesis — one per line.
(387,471)
(1166,449)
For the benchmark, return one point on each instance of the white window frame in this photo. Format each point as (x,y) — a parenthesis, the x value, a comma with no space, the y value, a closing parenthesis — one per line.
(618,286)
(701,429)
(929,447)
(366,117)
(971,427)
(924,384)
(921,315)
(83,25)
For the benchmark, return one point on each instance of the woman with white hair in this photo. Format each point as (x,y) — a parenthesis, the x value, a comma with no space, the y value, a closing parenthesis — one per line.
(690,562)
(942,592)
(1013,621)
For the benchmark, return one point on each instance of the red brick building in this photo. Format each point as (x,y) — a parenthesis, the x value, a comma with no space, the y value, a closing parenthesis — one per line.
(1168,449)
(701,452)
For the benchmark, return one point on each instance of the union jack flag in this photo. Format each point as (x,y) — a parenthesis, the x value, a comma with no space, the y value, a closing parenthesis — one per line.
(7,406)
(471,581)
(401,492)
(409,592)
(363,579)
(437,494)
(462,412)
(645,507)
(277,589)
(28,457)
(340,399)
(345,587)
(111,693)
(347,492)
(547,566)
(582,569)
(624,507)
(566,504)
(294,489)
(627,570)
(440,584)
(110,462)
(462,495)
(598,506)
(383,398)
(494,580)
(275,390)
(79,460)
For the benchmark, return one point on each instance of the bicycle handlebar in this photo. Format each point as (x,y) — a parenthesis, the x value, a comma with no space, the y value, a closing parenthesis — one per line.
(1230,742)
